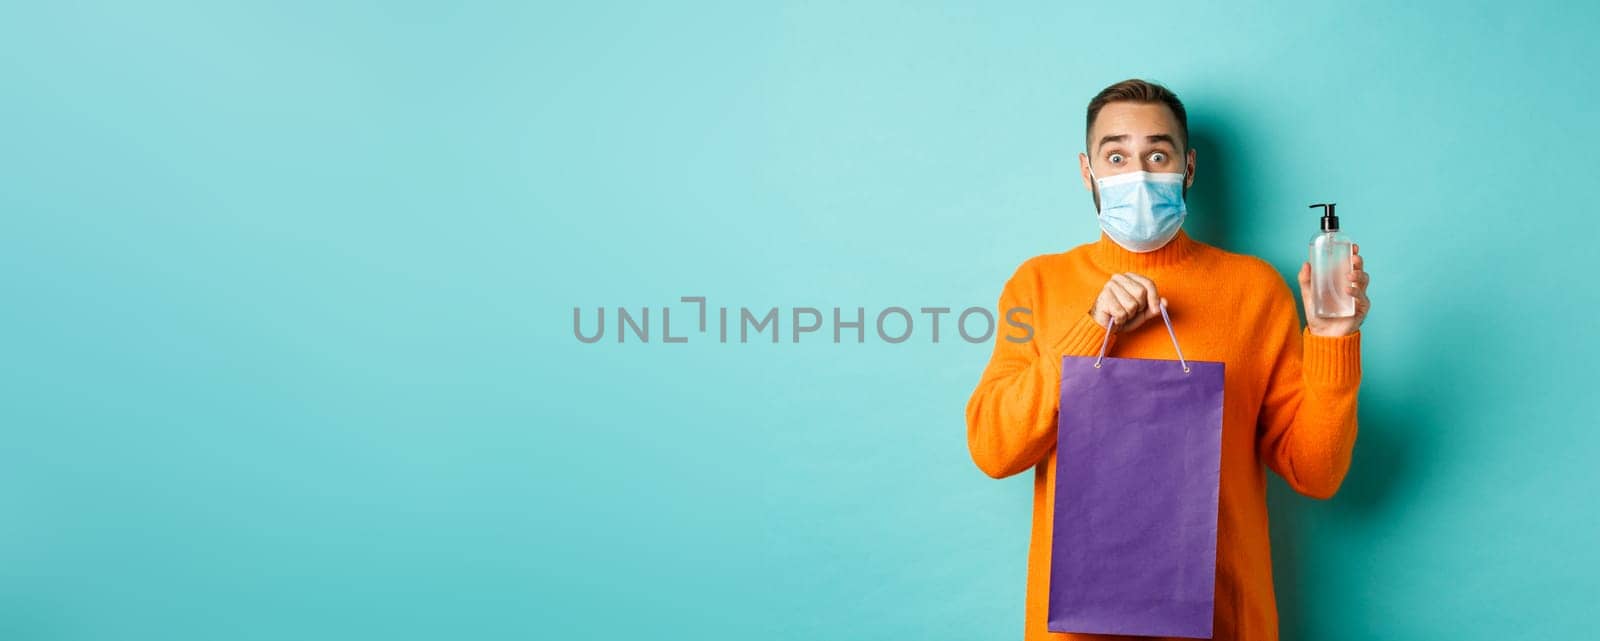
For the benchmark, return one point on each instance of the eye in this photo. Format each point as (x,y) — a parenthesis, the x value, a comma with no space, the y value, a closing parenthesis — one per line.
(1116,159)
(1158,157)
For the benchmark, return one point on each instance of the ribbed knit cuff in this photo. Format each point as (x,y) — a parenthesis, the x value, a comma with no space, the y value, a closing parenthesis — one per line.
(1332,362)
(1082,338)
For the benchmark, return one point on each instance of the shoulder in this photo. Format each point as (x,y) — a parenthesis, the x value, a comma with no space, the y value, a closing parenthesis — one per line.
(1257,278)
(1035,278)
(1252,270)
(1032,269)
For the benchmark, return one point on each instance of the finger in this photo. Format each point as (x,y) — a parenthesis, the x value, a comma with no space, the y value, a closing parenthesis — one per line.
(1113,314)
(1146,313)
(1129,300)
(1118,315)
(1110,309)
(1152,298)
(1357,264)
(1358,286)
(1125,313)
(1354,249)
(1101,317)
(1129,285)
(1144,317)
(1358,282)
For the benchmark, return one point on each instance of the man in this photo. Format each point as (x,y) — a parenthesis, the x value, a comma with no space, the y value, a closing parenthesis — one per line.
(1289,393)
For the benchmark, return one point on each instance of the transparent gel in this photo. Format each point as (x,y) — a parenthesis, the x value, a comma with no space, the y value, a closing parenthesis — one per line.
(1331,256)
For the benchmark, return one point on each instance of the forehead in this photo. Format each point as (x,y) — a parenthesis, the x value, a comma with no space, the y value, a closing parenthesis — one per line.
(1136,119)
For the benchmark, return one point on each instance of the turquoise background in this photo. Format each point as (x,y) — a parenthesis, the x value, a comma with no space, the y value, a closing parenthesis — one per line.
(289,287)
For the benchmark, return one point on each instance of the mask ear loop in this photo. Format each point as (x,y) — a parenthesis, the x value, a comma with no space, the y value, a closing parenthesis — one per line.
(1088,161)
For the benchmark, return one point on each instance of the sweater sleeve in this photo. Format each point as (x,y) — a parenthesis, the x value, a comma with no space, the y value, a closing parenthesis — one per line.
(1307,427)
(1011,416)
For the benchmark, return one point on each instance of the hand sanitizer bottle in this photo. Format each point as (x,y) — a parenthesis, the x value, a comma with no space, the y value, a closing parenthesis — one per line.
(1330,268)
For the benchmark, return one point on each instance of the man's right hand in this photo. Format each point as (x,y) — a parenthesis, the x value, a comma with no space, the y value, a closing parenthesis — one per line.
(1129,300)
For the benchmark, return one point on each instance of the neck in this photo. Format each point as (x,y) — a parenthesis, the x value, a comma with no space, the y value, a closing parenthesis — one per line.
(1115,258)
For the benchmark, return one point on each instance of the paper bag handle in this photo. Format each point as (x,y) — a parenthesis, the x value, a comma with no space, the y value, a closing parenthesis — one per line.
(1164,318)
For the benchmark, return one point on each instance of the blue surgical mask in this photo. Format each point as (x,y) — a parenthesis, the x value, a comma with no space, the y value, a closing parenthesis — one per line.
(1140,210)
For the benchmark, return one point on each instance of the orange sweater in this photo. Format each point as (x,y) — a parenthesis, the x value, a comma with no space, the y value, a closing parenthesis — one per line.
(1289,400)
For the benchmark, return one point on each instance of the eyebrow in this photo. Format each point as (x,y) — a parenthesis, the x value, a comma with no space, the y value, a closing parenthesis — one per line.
(1111,138)
(1167,138)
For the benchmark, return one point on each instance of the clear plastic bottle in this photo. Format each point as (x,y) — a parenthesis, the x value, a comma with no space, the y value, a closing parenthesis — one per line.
(1330,268)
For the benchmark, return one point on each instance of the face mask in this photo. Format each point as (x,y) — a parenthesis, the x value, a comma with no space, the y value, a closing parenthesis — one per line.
(1139,210)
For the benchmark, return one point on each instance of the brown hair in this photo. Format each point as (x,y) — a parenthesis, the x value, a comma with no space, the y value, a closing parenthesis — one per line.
(1136,90)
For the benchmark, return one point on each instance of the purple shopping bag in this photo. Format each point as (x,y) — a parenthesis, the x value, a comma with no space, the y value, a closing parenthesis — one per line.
(1139,459)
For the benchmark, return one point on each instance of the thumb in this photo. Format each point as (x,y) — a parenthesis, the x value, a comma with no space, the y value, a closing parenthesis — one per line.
(1152,312)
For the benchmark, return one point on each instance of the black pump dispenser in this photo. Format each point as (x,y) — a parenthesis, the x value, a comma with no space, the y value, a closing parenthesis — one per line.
(1330,221)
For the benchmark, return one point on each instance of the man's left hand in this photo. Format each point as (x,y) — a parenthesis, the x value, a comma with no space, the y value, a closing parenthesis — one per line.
(1356,287)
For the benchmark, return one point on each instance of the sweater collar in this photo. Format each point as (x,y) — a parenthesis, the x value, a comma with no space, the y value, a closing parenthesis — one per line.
(1115,258)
